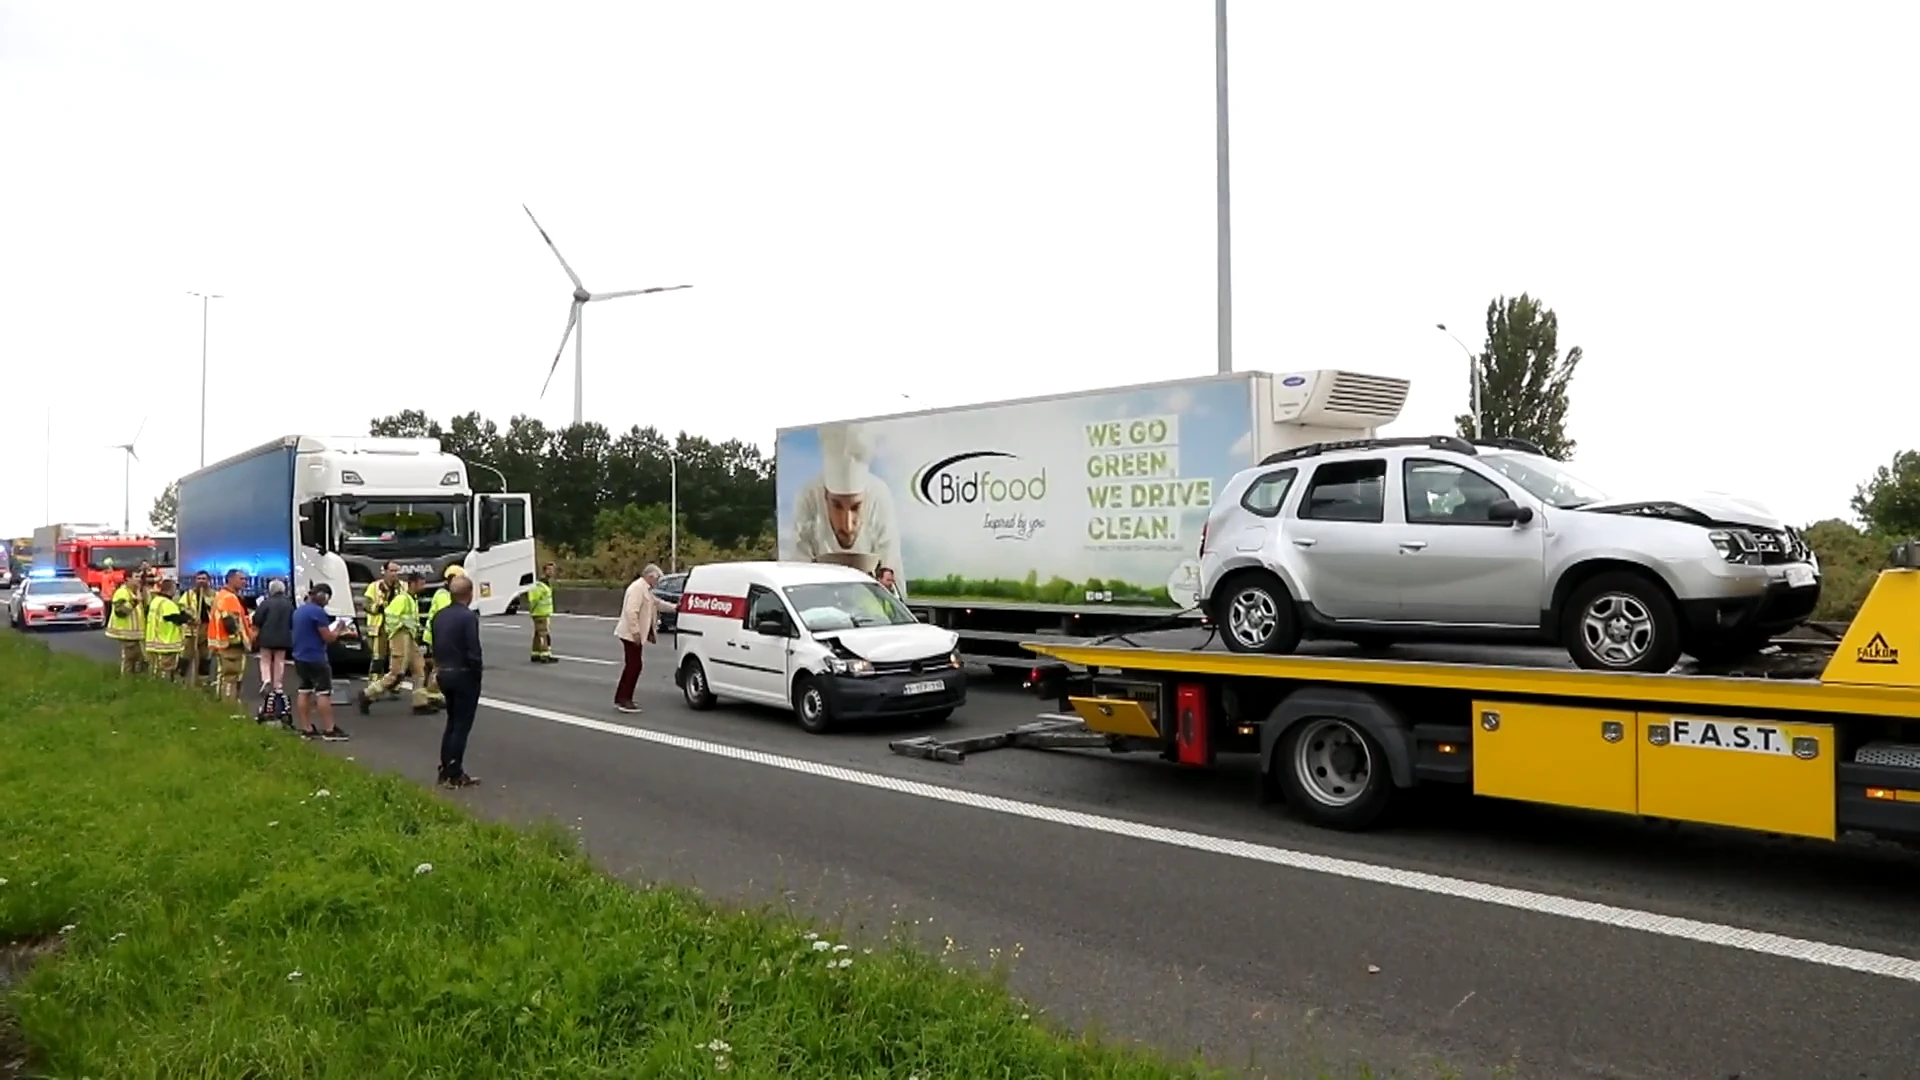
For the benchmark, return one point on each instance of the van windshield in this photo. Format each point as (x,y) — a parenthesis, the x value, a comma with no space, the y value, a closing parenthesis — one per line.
(845,605)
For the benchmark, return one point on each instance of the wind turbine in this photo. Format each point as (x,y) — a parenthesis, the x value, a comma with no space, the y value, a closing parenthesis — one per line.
(575,328)
(126,503)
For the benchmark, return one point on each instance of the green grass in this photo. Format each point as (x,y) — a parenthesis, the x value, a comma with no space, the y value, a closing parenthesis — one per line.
(231,902)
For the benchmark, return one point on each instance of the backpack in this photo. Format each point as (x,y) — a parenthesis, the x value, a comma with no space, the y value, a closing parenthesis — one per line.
(273,706)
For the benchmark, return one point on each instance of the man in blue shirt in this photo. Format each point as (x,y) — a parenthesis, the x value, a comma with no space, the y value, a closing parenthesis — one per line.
(313,631)
(456,656)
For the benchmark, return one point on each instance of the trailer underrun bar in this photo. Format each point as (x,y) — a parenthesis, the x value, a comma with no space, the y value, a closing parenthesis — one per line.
(1340,739)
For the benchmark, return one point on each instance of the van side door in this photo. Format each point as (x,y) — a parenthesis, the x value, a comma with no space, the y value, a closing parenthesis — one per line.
(762,649)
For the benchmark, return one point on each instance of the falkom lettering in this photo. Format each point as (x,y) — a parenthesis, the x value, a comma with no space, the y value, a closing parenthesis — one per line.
(720,607)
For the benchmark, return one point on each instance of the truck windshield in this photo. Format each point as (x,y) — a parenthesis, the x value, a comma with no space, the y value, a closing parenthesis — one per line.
(1545,480)
(120,556)
(163,545)
(841,605)
(417,526)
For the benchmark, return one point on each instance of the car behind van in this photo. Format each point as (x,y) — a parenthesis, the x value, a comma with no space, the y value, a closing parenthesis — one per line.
(828,642)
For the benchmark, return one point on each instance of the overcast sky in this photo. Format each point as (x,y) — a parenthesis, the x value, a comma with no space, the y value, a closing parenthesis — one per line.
(884,204)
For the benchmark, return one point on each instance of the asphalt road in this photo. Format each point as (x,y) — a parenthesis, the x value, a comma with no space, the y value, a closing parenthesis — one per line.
(1162,904)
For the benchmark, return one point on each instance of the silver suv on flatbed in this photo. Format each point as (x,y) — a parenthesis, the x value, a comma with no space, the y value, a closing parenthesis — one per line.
(1441,539)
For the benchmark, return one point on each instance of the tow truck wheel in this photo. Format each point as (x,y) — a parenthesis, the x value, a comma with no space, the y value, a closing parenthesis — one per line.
(1621,622)
(1333,773)
(1255,614)
(810,705)
(693,683)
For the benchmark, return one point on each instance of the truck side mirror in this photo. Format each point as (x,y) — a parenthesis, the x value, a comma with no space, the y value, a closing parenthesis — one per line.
(1508,512)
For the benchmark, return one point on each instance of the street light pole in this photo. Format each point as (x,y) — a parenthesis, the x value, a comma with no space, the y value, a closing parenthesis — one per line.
(673,511)
(205,300)
(1473,372)
(496,472)
(1222,186)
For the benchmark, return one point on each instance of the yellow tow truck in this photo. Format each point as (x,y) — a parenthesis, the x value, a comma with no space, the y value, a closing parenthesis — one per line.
(1341,738)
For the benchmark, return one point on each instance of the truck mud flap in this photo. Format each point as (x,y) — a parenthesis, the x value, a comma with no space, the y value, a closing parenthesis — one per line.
(1051,734)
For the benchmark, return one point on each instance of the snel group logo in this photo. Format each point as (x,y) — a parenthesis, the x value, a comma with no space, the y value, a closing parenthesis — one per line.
(969,479)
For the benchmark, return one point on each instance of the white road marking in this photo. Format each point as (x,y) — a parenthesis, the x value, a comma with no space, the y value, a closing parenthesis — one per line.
(602,618)
(1906,969)
(587,660)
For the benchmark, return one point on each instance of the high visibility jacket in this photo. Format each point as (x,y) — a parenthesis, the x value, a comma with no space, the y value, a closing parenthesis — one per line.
(403,614)
(229,625)
(376,606)
(122,620)
(441,601)
(197,605)
(540,600)
(163,635)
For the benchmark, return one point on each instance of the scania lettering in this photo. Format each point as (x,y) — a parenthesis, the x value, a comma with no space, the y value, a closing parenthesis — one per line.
(334,510)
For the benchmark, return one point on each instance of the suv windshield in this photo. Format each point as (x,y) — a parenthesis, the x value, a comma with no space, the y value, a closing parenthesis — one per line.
(394,526)
(842,605)
(1544,479)
(123,556)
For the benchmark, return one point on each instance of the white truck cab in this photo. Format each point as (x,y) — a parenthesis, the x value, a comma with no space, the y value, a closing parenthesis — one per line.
(828,642)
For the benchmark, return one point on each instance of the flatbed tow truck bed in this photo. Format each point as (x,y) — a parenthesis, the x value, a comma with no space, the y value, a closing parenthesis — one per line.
(1794,744)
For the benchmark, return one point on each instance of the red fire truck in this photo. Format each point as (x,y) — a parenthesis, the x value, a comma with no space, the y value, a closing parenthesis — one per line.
(97,554)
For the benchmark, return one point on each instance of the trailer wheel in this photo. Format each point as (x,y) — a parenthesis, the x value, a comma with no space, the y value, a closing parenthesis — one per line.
(693,684)
(1621,621)
(1255,614)
(1333,773)
(811,707)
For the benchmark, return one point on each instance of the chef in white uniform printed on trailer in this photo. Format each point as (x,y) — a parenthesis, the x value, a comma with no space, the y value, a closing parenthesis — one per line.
(845,515)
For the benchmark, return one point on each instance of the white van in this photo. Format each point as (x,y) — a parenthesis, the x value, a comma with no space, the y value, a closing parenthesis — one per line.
(826,641)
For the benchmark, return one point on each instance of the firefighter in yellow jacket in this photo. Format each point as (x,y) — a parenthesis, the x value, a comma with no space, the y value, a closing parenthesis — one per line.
(540,611)
(166,634)
(379,593)
(197,603)
(401,621)
(441,601)
(124,626)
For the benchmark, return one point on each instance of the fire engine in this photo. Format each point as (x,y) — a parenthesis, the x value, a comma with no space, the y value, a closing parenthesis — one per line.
(97,554)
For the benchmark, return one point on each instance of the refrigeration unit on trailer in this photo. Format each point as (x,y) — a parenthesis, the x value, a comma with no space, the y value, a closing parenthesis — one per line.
(335,510)
(1075,514)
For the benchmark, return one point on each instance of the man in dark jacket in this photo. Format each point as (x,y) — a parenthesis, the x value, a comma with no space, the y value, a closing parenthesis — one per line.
(456,656)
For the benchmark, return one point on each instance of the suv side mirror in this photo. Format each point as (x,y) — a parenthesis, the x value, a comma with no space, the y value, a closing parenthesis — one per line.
(1509,512)
(771,624)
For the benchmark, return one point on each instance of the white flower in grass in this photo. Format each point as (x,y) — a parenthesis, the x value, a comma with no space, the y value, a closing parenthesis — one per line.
(811,936)
(294,976)
(423,868)
(842,948)
(720,1046)
(68,929)
(843,962)
(822,946)
(323,793)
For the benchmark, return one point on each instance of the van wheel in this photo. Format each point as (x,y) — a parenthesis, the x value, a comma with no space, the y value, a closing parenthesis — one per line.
(811,707)
(1255,614)
(693,683)
(1333,773)
(1621,621)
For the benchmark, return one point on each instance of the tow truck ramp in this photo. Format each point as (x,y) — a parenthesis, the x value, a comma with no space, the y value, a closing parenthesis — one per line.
(1812,747)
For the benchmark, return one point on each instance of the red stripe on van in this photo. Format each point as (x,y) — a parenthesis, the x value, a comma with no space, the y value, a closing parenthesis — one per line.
(720,607)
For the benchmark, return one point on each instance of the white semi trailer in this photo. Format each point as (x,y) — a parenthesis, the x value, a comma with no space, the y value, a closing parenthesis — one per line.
(1075,514)
(311,509)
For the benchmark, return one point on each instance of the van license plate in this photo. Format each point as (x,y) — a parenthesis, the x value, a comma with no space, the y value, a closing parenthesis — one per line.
(935,686)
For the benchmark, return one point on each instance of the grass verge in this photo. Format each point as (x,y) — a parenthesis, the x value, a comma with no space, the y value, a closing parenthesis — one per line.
(230,902)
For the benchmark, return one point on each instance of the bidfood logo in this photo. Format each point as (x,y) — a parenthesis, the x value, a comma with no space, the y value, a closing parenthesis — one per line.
(978,477)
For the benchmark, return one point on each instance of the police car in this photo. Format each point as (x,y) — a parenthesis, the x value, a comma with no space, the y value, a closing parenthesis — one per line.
(44,600)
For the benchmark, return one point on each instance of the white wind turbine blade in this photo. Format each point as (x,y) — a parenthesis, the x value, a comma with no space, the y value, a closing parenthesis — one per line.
(575,278)
(136,433)
(636,292)
(573,318)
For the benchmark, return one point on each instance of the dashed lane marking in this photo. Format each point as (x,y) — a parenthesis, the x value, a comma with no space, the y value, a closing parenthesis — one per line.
(1903,968)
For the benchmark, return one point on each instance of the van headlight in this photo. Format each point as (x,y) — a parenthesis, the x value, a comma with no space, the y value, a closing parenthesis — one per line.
(839,665)
(1735,545)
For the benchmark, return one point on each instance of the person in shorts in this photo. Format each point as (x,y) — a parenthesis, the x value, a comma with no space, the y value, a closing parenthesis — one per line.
(313,631)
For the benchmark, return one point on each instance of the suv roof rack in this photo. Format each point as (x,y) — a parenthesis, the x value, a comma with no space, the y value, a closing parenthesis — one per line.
(1432,442)
(1508,442)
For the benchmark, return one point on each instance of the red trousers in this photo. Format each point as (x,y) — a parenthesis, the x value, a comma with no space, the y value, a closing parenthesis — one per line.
(629,672)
